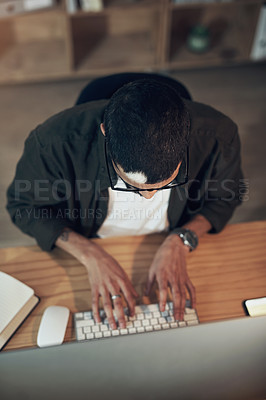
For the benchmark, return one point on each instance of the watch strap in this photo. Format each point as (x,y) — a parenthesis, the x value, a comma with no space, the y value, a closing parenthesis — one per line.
(188,237)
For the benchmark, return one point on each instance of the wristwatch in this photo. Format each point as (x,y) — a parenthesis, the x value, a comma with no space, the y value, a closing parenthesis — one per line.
(189,238)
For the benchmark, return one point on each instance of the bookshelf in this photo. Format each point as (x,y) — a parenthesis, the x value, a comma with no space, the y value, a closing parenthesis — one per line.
(129,35)
(231,26)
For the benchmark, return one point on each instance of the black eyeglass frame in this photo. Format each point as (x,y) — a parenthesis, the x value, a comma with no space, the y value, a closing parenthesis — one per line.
(130,188)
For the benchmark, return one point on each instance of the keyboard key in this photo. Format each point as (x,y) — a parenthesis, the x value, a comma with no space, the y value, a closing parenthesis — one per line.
(156,314)
(148,328)
(132,330)
(90,336)
(102,315)
(170,319)
(148,315)
(193,322)
(174,324)
(145,322)
(115,332)
(189,310)
(98,335)
(81,324)
(79,315)
(165,313)
(123,331)
(153,307)
(189,317)
(104,328)
(106,333)
(140,329)
(88,315)
(80,334)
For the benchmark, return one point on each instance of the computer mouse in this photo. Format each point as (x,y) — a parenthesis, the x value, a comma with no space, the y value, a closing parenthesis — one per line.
(53,326)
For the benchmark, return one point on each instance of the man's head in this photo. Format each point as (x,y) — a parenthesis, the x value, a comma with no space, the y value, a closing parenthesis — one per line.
(147,127)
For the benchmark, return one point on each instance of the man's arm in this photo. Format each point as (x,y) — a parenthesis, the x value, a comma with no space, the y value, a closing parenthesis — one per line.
(199,224)
(31,201)
(106,276)
(169,268)
(220,196)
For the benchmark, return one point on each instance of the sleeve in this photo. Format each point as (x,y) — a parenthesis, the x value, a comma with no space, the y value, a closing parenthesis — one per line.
(37,195)
(223,187)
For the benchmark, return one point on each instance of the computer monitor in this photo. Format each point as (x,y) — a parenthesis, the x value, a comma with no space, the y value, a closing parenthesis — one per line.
(220,360)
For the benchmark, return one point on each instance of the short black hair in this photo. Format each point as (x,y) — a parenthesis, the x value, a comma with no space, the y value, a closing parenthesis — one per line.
(147,128)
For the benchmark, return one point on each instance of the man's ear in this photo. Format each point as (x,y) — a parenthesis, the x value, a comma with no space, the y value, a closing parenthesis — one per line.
(102,129)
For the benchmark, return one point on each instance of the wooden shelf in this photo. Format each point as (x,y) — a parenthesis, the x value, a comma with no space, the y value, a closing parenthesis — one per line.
(135,52)
(127,35)
(114,41)
(29,61)
(230,30)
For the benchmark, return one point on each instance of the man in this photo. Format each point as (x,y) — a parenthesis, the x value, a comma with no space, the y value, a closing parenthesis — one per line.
(173,164)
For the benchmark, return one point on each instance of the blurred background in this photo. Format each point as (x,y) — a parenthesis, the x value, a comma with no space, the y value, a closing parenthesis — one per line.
(49,50)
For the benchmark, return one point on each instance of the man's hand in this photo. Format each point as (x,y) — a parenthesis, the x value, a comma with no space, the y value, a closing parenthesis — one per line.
(107,279)
(106,276)
(169,269)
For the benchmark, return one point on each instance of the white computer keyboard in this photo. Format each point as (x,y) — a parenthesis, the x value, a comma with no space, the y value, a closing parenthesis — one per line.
(147,318)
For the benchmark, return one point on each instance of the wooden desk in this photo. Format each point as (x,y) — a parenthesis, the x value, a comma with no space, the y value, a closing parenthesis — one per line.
(226,269)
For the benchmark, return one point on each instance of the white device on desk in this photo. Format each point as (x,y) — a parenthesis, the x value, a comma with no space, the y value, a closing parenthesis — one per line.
(220,360)
(53,326)
(255,307)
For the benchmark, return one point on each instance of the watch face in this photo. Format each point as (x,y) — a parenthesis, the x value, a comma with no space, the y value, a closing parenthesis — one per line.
(190,239)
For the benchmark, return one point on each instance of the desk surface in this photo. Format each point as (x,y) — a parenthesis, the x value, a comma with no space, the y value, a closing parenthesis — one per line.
(225,269)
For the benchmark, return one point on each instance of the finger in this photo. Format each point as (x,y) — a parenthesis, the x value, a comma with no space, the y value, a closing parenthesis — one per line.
(119,312)
(129,299)
(95,306)
(162,298)
(115,289)
(192,293)
(162,285)
(149,283)
(107,305)
(182,304)
(176,302)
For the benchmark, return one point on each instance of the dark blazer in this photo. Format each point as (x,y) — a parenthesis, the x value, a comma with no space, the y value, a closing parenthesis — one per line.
(61,179)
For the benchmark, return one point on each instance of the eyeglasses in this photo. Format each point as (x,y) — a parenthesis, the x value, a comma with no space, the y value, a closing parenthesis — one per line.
(180,179)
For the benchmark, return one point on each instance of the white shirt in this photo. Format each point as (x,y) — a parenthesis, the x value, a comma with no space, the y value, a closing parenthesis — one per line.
(131,214)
